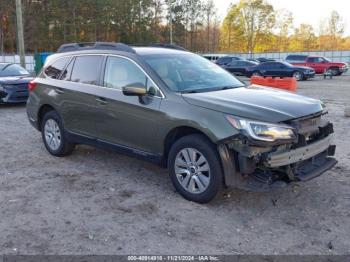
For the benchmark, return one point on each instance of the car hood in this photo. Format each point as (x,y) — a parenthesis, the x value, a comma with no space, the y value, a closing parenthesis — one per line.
(257,102)
(15,80)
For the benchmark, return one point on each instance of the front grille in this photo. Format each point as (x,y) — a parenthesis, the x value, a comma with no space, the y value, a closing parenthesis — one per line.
(3,94)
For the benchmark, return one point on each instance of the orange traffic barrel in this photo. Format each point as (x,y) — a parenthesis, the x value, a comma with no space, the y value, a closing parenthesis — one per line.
(286,83)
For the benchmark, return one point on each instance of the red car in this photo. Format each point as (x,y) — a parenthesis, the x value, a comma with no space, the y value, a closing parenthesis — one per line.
(319,63)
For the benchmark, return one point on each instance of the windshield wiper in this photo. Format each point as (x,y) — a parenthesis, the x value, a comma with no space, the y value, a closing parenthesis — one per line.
(227,87)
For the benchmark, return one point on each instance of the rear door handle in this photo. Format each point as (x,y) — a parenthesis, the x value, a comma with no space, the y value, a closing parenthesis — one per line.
(102,101)
(59,91)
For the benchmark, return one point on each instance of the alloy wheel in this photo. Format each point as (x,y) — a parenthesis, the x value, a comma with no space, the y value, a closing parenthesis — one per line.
(297,75)
(52,134)
(192,170)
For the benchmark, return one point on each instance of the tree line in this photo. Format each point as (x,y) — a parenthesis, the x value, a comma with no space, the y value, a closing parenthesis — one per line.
(249,26)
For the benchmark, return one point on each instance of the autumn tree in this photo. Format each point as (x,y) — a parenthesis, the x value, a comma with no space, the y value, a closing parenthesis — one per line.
(284,27)
(252,21)
(304,38)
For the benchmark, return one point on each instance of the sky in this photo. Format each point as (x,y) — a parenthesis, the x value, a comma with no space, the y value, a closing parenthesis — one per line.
(304,11)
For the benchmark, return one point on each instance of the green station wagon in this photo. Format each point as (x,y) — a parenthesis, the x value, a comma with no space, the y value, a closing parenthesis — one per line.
(175,108)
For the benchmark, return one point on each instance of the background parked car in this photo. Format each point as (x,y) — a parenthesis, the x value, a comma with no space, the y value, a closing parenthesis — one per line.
(319,63)
(227,60)
(281,69)
(239,67)
(14,81)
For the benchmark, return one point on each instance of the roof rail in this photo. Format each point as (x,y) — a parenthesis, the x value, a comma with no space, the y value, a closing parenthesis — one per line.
(170,46)
(95,45)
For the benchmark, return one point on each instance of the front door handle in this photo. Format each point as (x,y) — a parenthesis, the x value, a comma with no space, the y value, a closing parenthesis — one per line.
(59,91)
(102,101)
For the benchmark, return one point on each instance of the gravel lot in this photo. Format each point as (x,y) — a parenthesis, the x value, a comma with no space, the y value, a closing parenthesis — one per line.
(98,202)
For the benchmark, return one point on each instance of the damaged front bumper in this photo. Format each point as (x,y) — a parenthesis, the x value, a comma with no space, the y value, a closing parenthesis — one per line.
(262,168)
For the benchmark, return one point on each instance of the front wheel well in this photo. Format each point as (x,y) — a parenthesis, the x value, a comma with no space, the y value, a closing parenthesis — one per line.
(175,134)
(42,111)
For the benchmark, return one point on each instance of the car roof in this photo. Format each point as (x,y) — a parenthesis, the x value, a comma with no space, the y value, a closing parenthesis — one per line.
(157,51)
(141,51)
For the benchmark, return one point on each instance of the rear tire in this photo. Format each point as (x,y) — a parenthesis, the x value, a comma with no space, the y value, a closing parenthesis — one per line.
(53,135)
(195,168)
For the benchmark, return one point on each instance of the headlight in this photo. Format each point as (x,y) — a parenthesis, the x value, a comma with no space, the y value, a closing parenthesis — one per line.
(263,131)
(1,88)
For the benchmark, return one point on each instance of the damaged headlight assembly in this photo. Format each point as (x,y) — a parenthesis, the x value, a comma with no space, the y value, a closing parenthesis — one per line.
(268,132)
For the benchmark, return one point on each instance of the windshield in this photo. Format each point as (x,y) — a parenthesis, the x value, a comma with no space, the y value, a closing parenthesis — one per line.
(12,70)
(190,73)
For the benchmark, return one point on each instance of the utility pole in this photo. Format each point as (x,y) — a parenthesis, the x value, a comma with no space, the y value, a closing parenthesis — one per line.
(20,38)
(171,21)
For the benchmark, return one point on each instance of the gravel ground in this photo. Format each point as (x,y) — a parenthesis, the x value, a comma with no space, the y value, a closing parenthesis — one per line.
(98,202)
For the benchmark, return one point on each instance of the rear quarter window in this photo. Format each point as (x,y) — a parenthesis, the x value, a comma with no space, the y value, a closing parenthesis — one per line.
(56,68)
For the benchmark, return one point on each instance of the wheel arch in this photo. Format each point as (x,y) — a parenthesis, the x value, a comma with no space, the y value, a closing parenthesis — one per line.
(42,111)
(177,133)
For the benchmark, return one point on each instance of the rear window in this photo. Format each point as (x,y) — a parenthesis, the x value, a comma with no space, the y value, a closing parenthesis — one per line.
(12,70)
(55,69)
(86,69)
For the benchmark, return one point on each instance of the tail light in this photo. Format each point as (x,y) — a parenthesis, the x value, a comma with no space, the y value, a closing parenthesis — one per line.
(32,85)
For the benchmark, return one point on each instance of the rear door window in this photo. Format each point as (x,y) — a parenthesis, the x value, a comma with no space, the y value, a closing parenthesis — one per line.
(55,69)
(86,69)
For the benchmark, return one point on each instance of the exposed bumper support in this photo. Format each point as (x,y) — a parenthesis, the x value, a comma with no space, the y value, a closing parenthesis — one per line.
(300,164)
(297,155)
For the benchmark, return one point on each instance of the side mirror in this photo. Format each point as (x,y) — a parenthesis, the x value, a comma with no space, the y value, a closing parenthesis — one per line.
(135,90)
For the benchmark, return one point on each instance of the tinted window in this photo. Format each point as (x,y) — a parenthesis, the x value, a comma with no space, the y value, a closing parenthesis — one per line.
(296,58)
(66,74)
(121,72)
(316,59)
(225,60)
(87,69)
(12,70)
(55,69)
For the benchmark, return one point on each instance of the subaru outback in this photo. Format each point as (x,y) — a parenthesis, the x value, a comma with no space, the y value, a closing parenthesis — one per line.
(177,109)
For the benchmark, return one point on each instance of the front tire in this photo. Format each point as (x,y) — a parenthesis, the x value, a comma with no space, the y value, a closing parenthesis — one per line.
(256,73)
(195,168)
(299,76)
(53,135)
